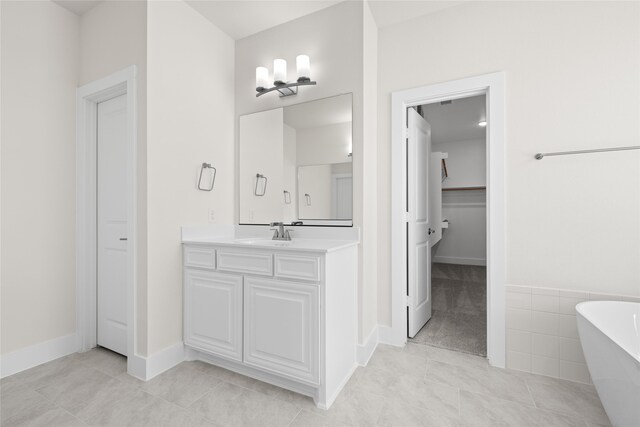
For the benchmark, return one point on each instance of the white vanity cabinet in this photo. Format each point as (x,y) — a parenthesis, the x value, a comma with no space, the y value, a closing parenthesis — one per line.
(278,313)
(213,312)
(282,331)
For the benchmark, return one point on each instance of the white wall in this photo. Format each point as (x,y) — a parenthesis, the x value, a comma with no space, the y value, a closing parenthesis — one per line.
(324,144)
(316,182)
(289,172)
(113,36)
(333,38)
(572,82)
(465,241)
(40,54)
(466,164)
(369,153)
(190,121)
(261,148)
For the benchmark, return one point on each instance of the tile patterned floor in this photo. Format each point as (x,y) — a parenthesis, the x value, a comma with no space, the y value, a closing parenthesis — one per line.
(459,309)
(418,385)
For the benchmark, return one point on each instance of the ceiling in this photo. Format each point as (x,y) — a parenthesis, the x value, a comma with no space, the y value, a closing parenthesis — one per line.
(457,121)
(79,7)
(321,112)
(240,19)
(390,12)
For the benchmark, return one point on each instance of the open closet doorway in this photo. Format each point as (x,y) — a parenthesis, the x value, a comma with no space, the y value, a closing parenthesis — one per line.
(447,224)
(404,104)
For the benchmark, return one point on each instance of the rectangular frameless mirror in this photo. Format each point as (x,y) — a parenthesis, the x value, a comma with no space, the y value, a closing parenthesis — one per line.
(296,164)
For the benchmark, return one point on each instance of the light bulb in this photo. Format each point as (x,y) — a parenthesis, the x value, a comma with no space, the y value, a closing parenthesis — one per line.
(482,123)
(303,66)
(279,72)
(262,78)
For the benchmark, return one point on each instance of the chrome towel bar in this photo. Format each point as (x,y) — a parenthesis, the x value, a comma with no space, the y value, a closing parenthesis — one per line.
(263,179)
(212,180)
(540,156)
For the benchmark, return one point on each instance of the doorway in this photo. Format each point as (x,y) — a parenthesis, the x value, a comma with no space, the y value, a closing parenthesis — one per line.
(457,238)
(106,214)
(491,86)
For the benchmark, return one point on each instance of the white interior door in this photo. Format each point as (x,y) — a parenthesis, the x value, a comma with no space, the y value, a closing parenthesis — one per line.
(418,231)
(112,225)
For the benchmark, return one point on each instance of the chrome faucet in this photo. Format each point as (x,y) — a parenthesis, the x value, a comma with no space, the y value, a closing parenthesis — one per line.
(280,233)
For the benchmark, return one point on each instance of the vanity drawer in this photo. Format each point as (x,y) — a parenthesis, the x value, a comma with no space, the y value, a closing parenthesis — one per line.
(200,257)
(245,261)
(297,267)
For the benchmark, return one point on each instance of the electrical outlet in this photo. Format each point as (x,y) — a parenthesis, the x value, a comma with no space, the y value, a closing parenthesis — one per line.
(212,215)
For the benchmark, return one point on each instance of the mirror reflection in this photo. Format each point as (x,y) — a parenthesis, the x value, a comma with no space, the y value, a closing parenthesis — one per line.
(296,164)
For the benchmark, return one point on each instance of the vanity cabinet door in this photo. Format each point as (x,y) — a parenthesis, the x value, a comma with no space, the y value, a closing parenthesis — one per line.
(213,312)
(281,327)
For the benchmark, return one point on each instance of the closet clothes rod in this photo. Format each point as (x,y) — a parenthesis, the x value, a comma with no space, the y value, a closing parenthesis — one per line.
(463,188)
(540,156)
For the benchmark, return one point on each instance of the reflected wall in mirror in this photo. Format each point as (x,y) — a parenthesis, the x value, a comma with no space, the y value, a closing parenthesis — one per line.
(303,154)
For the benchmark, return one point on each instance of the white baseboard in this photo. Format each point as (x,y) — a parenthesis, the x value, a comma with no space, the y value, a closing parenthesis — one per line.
(137,367)
(28,357)
(145,368)
(387,336)
(331,399)
(459,260)
(255,373)
(365,351)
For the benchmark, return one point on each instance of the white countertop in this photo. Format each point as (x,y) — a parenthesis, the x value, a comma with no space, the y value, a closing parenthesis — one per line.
(261,239)
(305,245)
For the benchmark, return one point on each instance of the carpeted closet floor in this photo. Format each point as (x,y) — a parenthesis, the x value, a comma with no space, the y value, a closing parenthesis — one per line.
(459,309)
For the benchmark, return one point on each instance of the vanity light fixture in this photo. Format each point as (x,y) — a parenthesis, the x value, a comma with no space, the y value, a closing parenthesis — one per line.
(280,83)
(482,123)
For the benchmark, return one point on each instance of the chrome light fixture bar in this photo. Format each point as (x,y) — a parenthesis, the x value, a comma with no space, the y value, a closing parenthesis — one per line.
(280,83)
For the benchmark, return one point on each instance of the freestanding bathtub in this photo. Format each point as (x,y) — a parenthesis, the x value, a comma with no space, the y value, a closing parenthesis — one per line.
(610,336)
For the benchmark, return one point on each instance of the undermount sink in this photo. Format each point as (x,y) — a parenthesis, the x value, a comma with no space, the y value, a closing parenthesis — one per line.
(264,242)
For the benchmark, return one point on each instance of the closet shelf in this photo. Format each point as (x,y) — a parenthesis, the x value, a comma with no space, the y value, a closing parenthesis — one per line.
(464,188)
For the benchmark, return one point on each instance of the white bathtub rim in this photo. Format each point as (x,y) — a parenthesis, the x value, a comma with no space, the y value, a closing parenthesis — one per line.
(627,347)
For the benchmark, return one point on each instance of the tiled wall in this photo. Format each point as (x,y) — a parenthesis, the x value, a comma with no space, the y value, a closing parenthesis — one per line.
(542,334)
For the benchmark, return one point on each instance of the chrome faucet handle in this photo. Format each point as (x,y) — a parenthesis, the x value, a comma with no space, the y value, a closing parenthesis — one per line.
(279,233)
(287,235)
